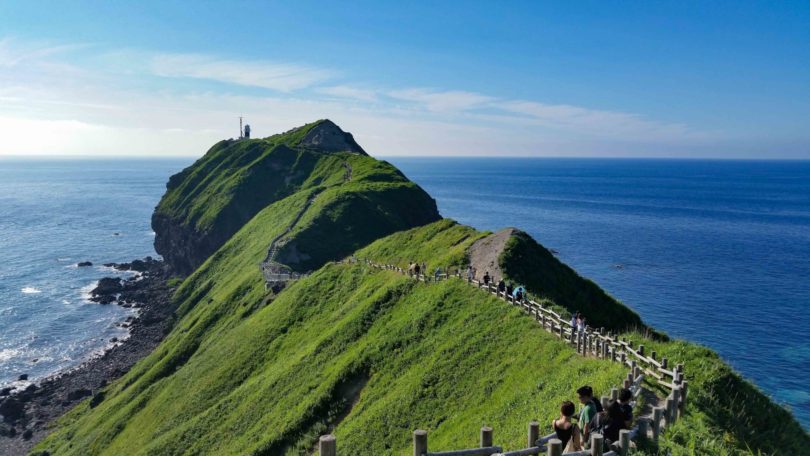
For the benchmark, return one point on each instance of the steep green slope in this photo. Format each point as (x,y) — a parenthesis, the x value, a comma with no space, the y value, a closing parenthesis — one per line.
(372,355)
(209,201)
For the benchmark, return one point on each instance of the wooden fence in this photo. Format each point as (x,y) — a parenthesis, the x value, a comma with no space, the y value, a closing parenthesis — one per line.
(595,342)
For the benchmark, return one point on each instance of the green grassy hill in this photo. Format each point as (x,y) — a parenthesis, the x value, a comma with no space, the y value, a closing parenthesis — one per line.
(370,354)
(206,203)
(373,355)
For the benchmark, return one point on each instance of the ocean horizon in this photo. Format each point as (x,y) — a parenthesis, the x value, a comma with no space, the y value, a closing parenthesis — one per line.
(715,251)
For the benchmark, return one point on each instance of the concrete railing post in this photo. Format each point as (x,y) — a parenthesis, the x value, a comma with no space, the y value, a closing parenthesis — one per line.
(684,389)
(614,394)
(486,437)
(420,443)
(624,441)
(555,447)
(658,413)
(327,445)
(641,350)
(676,400)
(642,429)
(668,414)
(664,363)
(534,433)
(597,444)
(605,402)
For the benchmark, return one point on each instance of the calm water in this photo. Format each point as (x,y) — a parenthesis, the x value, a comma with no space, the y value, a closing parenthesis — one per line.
(54,214)
(710,251)
(716,252)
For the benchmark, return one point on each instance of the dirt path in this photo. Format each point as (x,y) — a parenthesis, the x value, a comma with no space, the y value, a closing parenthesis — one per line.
(484,253)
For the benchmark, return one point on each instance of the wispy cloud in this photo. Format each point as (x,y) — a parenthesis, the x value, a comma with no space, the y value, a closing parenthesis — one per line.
(350,92)
(93,100)
(284,77)
(441,101)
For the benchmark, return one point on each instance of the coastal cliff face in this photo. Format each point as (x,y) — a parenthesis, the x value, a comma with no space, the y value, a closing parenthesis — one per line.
(209,201)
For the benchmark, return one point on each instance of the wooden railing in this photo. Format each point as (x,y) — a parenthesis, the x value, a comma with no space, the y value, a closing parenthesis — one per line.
(595,342)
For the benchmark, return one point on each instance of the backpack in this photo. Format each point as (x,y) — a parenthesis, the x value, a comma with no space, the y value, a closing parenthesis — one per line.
(597,404)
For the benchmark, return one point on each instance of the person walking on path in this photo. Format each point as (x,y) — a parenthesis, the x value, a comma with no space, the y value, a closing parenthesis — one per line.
(487,278)
(501,286)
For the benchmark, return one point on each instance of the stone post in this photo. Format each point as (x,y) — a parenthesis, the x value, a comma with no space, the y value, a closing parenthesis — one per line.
(420,443)
(327,446)
(486,437)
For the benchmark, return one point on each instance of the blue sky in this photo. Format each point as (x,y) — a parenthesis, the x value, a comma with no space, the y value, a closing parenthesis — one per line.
(649,79)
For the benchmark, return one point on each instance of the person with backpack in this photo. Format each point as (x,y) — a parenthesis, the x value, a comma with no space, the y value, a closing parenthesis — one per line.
(487,278)
(501,286)
(509,289)
(625,396)
(609,423)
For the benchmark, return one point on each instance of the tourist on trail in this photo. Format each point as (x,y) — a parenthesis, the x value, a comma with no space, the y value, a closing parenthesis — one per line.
(567,431)
(574,319)
(416,269)
(609,423)
(437,274)
(625,396)
(501,286)
(424,268)
(581,324)
(487,278)
(519,295)
(509,289)
(588,411)
(470,275)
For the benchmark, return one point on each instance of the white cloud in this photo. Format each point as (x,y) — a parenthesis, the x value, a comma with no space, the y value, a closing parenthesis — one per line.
(355,93)
(284,77)
(442,101)
(109,102)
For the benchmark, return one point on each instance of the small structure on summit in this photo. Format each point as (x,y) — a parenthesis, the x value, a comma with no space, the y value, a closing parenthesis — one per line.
(244,133)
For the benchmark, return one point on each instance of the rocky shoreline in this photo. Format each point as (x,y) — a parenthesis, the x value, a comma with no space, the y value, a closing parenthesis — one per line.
(27,413)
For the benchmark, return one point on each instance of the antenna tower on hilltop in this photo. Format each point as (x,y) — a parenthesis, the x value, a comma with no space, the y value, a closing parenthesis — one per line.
(241,135)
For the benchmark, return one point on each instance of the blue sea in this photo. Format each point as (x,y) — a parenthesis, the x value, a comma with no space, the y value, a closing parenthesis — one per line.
(717,252)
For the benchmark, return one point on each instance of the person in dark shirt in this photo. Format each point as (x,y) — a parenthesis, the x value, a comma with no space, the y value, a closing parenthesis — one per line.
(501,286)
(486,278)
(625,396)
(566,430)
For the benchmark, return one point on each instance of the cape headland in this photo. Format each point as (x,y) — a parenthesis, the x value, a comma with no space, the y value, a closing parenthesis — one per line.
(368,353)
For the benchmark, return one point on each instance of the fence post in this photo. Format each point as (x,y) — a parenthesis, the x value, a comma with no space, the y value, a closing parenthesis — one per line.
(641,350)
(684,389)
(624,439)
(642,428)
(534,433)
(676,400)
(614,394)
(420,443)
(605,402)
(555,447)
(327,446)
(670,405)
(658,412)
(486,437)
(664,363)
(597,444)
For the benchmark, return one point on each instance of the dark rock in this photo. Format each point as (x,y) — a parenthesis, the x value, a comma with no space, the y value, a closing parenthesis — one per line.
(12,432)
(78,394)
(139,265)
(108,286)
(114,340)
(11,409)
(35,360)
(28,434)
(6,391)
(84,264)
(22,377)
